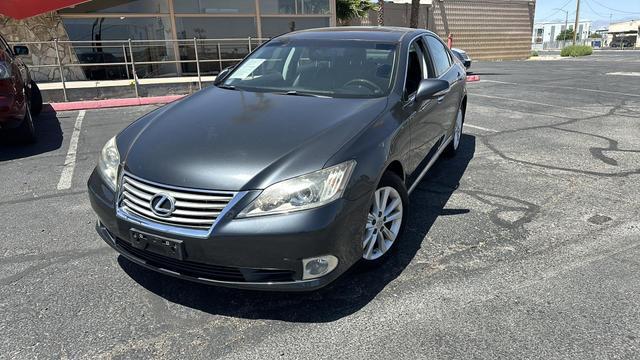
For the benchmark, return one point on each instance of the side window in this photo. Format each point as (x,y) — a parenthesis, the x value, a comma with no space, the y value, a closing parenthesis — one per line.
(415,69)
(439,56)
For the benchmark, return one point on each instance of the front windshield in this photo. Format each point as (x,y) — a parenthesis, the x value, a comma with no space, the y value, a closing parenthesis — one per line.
(335,68)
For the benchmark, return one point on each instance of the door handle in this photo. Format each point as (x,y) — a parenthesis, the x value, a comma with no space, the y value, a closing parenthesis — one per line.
(441,95)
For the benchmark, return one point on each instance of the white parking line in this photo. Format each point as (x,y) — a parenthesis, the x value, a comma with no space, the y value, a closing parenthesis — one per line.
(480,128)
(497,82)
(625,73)
(70,161)
(537,103)
(571,87)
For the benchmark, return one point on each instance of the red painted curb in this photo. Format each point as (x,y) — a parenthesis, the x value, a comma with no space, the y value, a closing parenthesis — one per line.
(110,103)
(471,78)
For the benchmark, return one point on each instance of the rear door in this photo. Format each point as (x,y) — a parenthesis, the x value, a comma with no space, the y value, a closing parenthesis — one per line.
(424,120)
(444,68)
(14,85)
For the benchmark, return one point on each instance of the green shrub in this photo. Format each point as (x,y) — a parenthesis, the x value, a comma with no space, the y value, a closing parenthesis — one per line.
(534,53)
(576,50)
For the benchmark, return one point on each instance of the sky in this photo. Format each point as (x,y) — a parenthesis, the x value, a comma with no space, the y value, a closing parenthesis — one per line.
(598,11)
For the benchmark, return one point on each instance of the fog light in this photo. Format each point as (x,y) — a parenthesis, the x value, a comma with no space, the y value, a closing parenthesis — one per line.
(318,266)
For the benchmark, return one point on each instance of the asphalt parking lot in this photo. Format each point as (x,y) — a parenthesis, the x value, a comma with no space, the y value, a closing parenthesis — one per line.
(526,245)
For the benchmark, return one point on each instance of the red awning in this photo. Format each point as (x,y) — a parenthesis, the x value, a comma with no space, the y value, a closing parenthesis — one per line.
(21,9)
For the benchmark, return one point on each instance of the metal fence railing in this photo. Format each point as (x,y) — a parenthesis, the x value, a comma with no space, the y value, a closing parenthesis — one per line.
(135,59)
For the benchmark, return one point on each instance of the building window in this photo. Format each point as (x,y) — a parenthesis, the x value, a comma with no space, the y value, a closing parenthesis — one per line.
(274,26)
(87,35)
(539,35)
(579,31)
(214,6)
(304,7)
(214,28)
(119,6)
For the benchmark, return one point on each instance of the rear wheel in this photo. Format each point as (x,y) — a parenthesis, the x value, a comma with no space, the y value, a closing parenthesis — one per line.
(26,132)
(452,148)
(36,99)
(386,219)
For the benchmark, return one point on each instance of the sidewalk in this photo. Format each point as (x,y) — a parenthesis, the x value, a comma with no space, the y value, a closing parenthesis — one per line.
(87,84)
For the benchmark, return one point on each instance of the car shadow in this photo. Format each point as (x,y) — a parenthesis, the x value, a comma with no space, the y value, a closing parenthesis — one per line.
(48,133)
(349,293)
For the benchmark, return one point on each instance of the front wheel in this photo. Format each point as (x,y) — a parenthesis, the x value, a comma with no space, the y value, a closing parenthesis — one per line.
(26,132)
(35,99)
(452,148)
(386,219)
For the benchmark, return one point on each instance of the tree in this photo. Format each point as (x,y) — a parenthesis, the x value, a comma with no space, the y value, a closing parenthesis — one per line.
(380,12)
(415,11)
(565,35)
(352,9)
(595,36)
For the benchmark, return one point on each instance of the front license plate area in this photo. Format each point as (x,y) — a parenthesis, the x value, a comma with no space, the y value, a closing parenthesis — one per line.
(157,244)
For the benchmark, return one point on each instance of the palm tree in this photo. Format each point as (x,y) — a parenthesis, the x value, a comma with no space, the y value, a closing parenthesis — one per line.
(415,10)
(352,9)
(380,12)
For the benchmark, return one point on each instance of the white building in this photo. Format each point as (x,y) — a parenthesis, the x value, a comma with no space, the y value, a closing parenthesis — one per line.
(627,32)
(545,33)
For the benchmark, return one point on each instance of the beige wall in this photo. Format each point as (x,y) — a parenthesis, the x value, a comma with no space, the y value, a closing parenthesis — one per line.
(632,25)
(487,29)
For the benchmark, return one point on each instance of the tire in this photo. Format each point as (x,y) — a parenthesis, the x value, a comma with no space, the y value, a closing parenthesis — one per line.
(453,146)
(36,99)
(372,252)
(26,132)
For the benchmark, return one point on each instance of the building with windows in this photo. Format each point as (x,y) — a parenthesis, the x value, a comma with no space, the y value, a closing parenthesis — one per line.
(625,33)
(92,27)
(545,33)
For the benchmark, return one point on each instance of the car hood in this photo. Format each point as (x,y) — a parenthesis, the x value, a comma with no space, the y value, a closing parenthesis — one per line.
(236,140)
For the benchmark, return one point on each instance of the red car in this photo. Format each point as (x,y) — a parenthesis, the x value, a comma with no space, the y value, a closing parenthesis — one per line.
(20,97)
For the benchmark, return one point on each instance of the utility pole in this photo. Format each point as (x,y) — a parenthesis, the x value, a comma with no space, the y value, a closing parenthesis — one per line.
(575,27)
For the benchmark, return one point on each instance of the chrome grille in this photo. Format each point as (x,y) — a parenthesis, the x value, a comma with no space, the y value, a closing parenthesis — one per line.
(193,208)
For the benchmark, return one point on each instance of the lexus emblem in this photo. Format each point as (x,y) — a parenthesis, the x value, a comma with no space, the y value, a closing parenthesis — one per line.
(163,205)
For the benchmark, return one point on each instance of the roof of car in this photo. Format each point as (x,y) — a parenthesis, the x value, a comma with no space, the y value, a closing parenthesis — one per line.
(368,33)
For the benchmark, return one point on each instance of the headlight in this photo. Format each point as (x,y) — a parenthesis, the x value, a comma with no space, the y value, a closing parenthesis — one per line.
(5,70)
(302,192)
(108,163)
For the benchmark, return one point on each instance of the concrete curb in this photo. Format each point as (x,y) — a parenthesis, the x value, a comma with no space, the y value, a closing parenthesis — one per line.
(110,103)
(473,78)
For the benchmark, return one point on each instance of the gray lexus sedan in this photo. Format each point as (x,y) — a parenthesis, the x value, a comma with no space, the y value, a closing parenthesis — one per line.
(297,164)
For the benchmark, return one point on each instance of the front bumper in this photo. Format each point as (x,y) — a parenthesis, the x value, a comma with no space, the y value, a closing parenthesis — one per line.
(263,253)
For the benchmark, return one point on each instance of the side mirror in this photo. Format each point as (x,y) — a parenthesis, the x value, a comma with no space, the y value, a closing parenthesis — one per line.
(432,88)
(20,50)
(222,75)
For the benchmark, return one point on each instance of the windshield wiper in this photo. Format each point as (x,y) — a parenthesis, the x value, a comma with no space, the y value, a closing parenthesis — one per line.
(297,93)
(228,87)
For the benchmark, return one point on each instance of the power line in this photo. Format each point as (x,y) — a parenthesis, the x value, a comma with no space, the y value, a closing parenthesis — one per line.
(593,11)
(555,12)
(620,11)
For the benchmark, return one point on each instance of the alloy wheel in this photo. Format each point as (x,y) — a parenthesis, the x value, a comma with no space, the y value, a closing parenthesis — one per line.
(383,223)
(457,132)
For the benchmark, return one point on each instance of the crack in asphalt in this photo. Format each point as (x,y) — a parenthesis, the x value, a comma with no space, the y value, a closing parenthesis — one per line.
(42,197)
(47,259)
(595,152)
